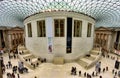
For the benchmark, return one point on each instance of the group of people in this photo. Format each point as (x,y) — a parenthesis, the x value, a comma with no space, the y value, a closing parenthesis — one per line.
(8,66)
(13,54)
(94,73)
(98,70)
(21,67)
(85,74)
(116,65)
(73,71)
(36,63)
(1,51)
(115,72)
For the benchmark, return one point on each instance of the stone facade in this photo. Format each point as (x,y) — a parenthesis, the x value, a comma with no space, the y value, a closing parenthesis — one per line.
(108,38)
(10,37)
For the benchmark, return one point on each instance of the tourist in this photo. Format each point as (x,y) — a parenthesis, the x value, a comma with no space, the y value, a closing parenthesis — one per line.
(18,75)
(118,73)
(29,59)
(113,71)
(73,71)
(98,67)
(96,73)
(13,75)
(100,77)
(79,73)
(85,74)
(35,77)
(99,70)
(103,70)
(93,74)
(7,66)
(107,68)
(116,64)
(34,66)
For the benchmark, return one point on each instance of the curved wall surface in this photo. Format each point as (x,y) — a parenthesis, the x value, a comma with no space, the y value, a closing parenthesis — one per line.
(59,35)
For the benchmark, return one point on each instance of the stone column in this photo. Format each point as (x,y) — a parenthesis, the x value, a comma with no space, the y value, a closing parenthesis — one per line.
(9,41)
(12,39)
(109,41)
(23,40)
(18,38)
(101,39)
(15,38)
(104,40)
(4,38)
(16,35)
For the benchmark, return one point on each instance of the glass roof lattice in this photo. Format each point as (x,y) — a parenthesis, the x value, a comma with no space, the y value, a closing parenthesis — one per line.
(105,12)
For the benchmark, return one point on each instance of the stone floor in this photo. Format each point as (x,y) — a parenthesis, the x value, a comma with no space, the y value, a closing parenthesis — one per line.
(49,70)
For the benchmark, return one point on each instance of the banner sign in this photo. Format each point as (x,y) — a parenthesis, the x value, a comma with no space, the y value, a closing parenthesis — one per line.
(49,33)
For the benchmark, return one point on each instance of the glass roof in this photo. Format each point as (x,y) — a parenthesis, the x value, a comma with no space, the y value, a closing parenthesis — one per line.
(105,12)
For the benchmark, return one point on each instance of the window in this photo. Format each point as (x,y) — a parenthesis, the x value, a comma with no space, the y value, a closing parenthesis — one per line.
(29,30)
(41,28)
(59,27)
(77,28)
(89,30)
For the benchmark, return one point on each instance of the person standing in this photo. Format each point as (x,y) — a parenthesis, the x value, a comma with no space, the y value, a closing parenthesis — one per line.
(118,73)
(98,66)
(116,64)
(18,75)
(79,73)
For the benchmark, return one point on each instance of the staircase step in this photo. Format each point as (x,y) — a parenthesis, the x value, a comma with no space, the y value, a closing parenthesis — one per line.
(26,52)
(94,53)
(29,56)
(21,48)
(86,60)
(82,63)
(97,51)
(90,58)
(34,59)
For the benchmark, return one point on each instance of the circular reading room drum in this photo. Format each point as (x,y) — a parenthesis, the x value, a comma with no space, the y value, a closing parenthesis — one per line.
(64,34)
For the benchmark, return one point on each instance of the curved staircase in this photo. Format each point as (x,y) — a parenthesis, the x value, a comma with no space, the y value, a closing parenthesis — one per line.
(31,60)
(28,58)
(90,59)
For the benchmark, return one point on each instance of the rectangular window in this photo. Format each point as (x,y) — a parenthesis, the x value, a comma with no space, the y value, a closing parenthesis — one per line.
(89,30)
(59,27)
(77,28)
(29,30)
(41,32)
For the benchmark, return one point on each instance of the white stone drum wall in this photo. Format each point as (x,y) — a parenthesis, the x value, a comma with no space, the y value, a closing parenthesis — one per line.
(80,45)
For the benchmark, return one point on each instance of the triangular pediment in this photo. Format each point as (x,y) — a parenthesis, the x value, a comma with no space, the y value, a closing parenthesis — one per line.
(16,28)
(103,29)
